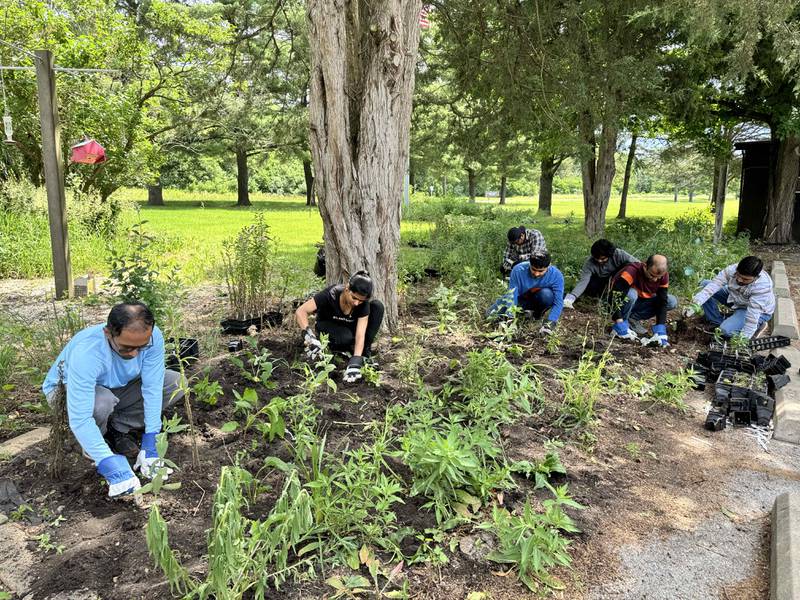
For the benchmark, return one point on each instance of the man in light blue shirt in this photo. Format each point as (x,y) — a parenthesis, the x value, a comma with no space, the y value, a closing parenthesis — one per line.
(116,383)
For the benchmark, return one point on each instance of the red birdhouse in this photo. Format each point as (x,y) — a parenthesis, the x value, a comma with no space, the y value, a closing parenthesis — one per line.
(88,152)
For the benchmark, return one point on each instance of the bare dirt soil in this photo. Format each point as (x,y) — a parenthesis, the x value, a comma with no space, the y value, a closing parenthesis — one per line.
(647,475)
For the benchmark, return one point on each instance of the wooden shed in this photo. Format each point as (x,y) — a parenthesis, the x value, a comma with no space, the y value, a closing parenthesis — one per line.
(754,189)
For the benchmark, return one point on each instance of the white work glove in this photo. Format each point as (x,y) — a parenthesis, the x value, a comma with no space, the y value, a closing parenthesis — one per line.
(118,474)
(547,328)
(569,301)
(692,310)
(659,337)
(312,345)
(353,371)
(148,462)
(622,331)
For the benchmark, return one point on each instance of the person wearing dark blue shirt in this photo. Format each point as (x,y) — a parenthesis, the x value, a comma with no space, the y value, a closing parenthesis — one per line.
(535,286)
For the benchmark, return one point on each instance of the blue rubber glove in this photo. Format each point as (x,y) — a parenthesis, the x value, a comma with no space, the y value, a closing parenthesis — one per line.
(148,462)
(621,331)
(119,476)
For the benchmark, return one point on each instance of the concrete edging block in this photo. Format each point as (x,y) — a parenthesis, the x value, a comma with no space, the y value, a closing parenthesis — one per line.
(778,266)
(785,548)
(780,282)
(787,401)
(784,321)
(22,442)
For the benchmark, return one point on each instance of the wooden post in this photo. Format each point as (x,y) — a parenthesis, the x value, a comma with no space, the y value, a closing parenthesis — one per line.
(53,172)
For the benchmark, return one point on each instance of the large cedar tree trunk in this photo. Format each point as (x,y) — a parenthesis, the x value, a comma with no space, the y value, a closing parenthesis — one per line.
(597,170)
(242,179)
(718,195)
(547,171)
(309,175)
(471,184)
(783,184)
(626,181)
(155,194)
(363,57)
(503,181)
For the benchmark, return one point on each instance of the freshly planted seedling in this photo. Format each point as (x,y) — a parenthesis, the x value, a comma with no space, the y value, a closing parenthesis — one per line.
(207,391)
(46,545)
(257,366)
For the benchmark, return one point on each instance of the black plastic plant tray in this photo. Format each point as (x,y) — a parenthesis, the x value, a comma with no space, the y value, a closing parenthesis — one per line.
(240,326)
(776,365)
(719,363)
(188,349)
(741,418)
(768,343)
(725,382)
(776,382)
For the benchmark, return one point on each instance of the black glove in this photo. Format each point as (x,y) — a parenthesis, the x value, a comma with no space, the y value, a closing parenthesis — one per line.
(547,328)
(353,371)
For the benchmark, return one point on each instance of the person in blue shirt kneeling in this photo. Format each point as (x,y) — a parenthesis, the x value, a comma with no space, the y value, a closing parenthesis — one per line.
(116,383)
(536,287)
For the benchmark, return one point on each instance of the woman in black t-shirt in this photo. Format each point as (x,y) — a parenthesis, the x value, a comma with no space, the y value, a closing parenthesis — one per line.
(349,318)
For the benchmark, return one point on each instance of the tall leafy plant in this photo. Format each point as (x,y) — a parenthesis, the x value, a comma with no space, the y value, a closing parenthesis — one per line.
(251,269)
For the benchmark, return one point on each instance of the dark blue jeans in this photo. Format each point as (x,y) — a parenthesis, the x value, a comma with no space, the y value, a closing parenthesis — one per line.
(538,302)
(734,323)
(642,309)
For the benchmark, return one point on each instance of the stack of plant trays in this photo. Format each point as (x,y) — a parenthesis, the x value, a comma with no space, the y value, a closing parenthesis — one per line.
(744,382)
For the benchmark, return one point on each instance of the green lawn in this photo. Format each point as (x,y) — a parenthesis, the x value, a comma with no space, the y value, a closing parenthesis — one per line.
(201,221)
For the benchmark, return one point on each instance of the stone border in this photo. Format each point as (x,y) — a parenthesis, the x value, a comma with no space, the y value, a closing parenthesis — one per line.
(22,442)
(787,401)
(784,321)
(785,548)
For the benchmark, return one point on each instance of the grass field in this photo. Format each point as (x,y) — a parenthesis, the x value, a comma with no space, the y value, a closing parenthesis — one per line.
(201,222)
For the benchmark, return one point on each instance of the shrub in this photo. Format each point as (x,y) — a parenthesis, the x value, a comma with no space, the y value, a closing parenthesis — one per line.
(252,270)
(138,276)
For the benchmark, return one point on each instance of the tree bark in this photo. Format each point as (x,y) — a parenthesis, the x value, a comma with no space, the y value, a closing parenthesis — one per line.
(444,185)
(242,179)
(675,194)
(363,59)
(626,181)
(471,184)
(548,167)
(691,195)
(718,196)
(309,175)
(155,194)
(503,181)
(597,170)
(782,188)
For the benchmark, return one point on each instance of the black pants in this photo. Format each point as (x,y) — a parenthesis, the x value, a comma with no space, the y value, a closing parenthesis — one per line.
(597,286)
(342,337)
(507,272)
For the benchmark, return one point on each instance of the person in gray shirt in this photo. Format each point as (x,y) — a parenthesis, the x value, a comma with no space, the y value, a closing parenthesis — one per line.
(606,260)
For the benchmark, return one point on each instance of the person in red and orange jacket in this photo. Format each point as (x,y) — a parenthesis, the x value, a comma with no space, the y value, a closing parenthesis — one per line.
(639,292)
